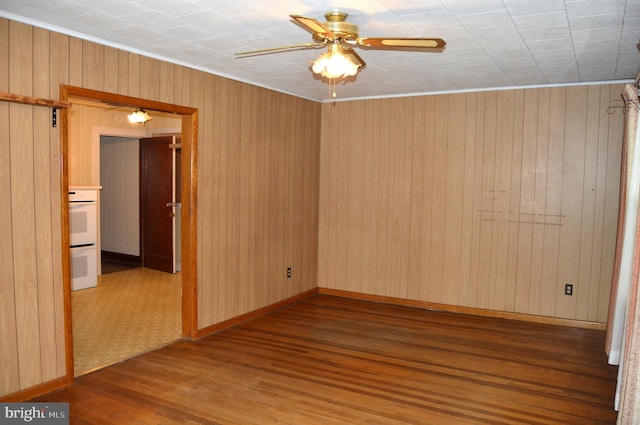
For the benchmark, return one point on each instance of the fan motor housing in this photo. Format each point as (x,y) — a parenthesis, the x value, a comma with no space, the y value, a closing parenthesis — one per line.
(337,24)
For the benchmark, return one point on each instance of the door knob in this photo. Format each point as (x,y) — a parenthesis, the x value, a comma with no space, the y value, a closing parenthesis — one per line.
(171,204)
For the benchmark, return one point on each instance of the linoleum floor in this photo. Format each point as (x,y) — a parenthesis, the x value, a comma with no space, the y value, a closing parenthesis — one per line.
(128,313)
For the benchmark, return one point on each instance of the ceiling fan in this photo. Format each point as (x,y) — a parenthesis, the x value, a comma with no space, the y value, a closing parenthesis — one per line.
(340,36)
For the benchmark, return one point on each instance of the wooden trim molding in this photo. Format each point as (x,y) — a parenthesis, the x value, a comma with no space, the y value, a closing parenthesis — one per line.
(189,204)
(464,310)
(35,101)
(255,313)
(112,99)
(35,391)
(189,200)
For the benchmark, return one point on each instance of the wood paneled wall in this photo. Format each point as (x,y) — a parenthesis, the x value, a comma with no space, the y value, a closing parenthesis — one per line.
(490,200)
(31,303)
(257,189)
(259,198)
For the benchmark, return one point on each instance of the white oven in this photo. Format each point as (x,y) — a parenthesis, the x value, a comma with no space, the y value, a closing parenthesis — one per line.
(84,266)
(83,237)
(83,215)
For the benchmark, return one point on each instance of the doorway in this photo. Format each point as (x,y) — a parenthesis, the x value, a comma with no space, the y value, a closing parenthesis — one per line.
(188,212)
(140,178)
(119,199)
(131,310)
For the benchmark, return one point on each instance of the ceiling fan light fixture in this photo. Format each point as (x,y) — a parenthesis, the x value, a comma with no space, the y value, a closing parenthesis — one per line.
(335,64)
(139,116)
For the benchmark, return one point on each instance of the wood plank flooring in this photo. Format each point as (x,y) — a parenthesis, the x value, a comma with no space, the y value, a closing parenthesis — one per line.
(329,360)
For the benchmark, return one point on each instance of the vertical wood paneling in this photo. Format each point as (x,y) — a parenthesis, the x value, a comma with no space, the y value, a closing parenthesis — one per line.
(149,78)
(538,216)
(260,226)
(234,216)
(21,134)
(201,88)
(585,298)
(324,210)
(281,208)
(183,76)
(166,88)
(59,70)
(356,149)
(471,147)
(311,190)
(43,224)
(438,197)
(248,177)
(123,72)
(342,204)
(10,377)
(93,70)
(427,184)
(370,172)
(391,282)
(293,178)
(257,195)
(490,200)
(501,192)
(453,202)
(572,235)
(220,191)
(305,211)
(111,69)
(75,62)
(253,188)
(179,86)
(478,196)
(134,74)
(514,191)
(418,163)
(403,198)
(553,203)
(242,175)
(598,104)
(525,215)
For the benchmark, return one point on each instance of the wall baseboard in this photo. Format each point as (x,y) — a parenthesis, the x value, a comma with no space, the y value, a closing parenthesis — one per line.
(255,313)
(465,310)
(401,302)
(35,391)
(120,258)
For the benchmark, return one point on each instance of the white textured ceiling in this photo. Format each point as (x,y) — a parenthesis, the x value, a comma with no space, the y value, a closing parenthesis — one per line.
(490,43)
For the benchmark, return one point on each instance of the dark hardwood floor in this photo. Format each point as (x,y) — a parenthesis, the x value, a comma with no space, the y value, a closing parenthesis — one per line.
(328,360)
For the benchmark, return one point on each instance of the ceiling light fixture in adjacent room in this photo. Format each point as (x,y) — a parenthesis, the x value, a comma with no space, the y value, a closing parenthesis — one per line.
(139,116)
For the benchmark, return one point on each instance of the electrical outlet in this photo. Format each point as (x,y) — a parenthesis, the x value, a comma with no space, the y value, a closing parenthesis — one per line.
(568,289)
(288,272)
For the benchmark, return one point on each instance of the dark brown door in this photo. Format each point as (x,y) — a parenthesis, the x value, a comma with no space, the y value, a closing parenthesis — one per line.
(156,203)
